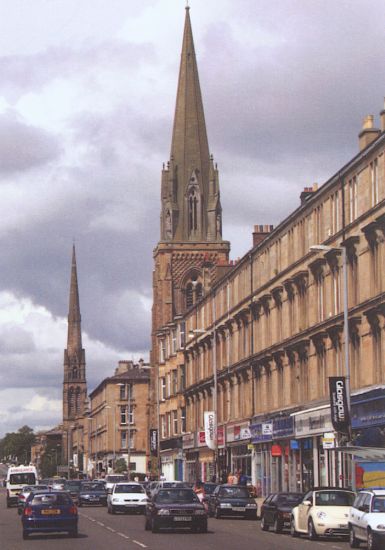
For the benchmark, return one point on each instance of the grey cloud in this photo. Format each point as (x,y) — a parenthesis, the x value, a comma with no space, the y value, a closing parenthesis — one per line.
(23,146)
(16,341)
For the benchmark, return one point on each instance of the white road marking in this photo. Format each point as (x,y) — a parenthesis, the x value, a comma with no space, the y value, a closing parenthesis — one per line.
(122,535)
(139,543)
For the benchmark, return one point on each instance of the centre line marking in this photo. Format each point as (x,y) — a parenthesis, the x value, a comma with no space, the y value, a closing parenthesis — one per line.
(139,543)
(122,535)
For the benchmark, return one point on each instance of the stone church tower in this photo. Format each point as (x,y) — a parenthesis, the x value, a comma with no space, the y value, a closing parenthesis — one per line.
(191,213)
(74,384)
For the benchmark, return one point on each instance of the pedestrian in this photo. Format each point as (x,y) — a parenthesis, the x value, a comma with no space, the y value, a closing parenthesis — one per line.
(199,490)
(242,478)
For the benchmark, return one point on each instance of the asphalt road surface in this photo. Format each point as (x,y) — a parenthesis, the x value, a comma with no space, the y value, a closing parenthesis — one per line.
(101,531)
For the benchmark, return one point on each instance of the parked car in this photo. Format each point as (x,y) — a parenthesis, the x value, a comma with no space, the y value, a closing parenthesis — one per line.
(92,493)
(126,497)
(367,519)
(232,500)
(175,508)
(276,510)
(323,511)
(73,487)
(24,494)
(49,512)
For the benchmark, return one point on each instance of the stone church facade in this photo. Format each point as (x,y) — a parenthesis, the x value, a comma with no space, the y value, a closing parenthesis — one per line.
(257,341)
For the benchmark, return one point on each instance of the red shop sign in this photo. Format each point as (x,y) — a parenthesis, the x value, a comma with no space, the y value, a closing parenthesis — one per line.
(276,450)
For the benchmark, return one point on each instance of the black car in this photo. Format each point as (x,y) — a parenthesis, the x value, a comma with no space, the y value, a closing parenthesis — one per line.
(232,500)
(276,510)
(175,508)
(92,492)
(72,486)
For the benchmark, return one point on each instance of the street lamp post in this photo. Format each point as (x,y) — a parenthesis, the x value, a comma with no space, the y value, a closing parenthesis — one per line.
(342,249)
(215,383)
(129,389)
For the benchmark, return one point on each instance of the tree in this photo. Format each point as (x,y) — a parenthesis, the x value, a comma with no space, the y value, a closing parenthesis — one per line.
(16,446)
(120,466)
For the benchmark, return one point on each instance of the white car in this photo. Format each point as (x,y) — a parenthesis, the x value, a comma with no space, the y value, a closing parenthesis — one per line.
(322,512)
(111,479)
(367,519)
(125,497)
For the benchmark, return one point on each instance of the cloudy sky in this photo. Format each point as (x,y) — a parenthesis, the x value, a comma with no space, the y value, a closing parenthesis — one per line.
(87,92)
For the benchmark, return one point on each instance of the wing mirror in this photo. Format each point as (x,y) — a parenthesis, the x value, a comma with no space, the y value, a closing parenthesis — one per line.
(307,503)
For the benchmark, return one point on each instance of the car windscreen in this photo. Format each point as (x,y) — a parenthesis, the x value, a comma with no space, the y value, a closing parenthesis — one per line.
(128,489)
(181,496)
(234,492)
(209,488)
(173,484)
(22,479)
(334,498)
(378,504)
(46,499)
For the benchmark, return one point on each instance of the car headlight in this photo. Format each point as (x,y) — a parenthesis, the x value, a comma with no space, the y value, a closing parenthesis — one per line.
(321,515)
(115,499)
(163,512)
(144,499)
(200,512)
(380,526)
(85,496)
(251,505)
(225,504)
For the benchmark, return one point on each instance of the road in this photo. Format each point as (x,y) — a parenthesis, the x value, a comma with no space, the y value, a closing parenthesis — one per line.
(100,531)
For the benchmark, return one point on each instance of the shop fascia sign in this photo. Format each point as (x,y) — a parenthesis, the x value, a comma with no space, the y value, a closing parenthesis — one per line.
(313,422)
(238,433)
(272,429)
(188,441)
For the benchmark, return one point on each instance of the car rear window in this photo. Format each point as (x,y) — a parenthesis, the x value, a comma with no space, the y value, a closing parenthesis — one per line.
(50,498)
(185,496)
(129,489)
(334,498)
(93,487)
(234,492)
(288,499)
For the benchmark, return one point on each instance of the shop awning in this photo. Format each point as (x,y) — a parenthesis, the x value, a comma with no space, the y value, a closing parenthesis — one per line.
(362,453)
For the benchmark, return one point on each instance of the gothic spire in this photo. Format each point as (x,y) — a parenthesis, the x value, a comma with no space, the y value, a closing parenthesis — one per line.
(190,201)
(74,340)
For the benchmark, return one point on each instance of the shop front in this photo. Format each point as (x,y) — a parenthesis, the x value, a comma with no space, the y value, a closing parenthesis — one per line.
(274,459)
(191,458)
(238,444)
(171,459)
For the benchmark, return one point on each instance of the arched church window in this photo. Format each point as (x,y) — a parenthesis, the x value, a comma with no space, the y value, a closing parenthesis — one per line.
(193,203)
(71,402)
(198,292)
(78,395)
(189,295)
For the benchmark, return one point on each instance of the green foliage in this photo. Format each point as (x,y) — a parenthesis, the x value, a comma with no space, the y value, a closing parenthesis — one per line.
(16,446)
(50,460)
(120,466)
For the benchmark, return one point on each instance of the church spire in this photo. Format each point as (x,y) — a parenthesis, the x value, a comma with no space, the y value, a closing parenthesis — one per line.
(74,384)
(191,208)
(74,340)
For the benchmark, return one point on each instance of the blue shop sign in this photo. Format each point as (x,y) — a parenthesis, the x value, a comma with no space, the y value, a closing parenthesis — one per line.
(272,429)
(368,413)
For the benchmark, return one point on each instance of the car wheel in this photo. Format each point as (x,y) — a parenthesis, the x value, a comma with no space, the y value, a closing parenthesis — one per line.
(217,513)
(311,530)
(113,511)
(73,533)
(154,526)
(25,535)
(264,525)
(277,525)
(372,543)
(293,531)
(354,543)
(147,525)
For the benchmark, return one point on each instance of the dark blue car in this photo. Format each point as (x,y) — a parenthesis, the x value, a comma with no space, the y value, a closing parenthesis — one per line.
(49,512)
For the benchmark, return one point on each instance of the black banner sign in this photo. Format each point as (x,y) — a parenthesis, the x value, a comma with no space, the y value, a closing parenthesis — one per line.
(154,442)
(339,404)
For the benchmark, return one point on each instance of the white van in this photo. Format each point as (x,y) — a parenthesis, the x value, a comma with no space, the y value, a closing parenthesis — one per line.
(17,478)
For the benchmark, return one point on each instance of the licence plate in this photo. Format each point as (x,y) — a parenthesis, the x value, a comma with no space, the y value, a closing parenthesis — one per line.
(183,518)
(239,508)
(50,512)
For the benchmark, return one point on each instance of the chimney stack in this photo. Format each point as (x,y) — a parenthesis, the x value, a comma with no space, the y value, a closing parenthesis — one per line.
(382,117)
(307,193)
(368,133)
(261,232)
